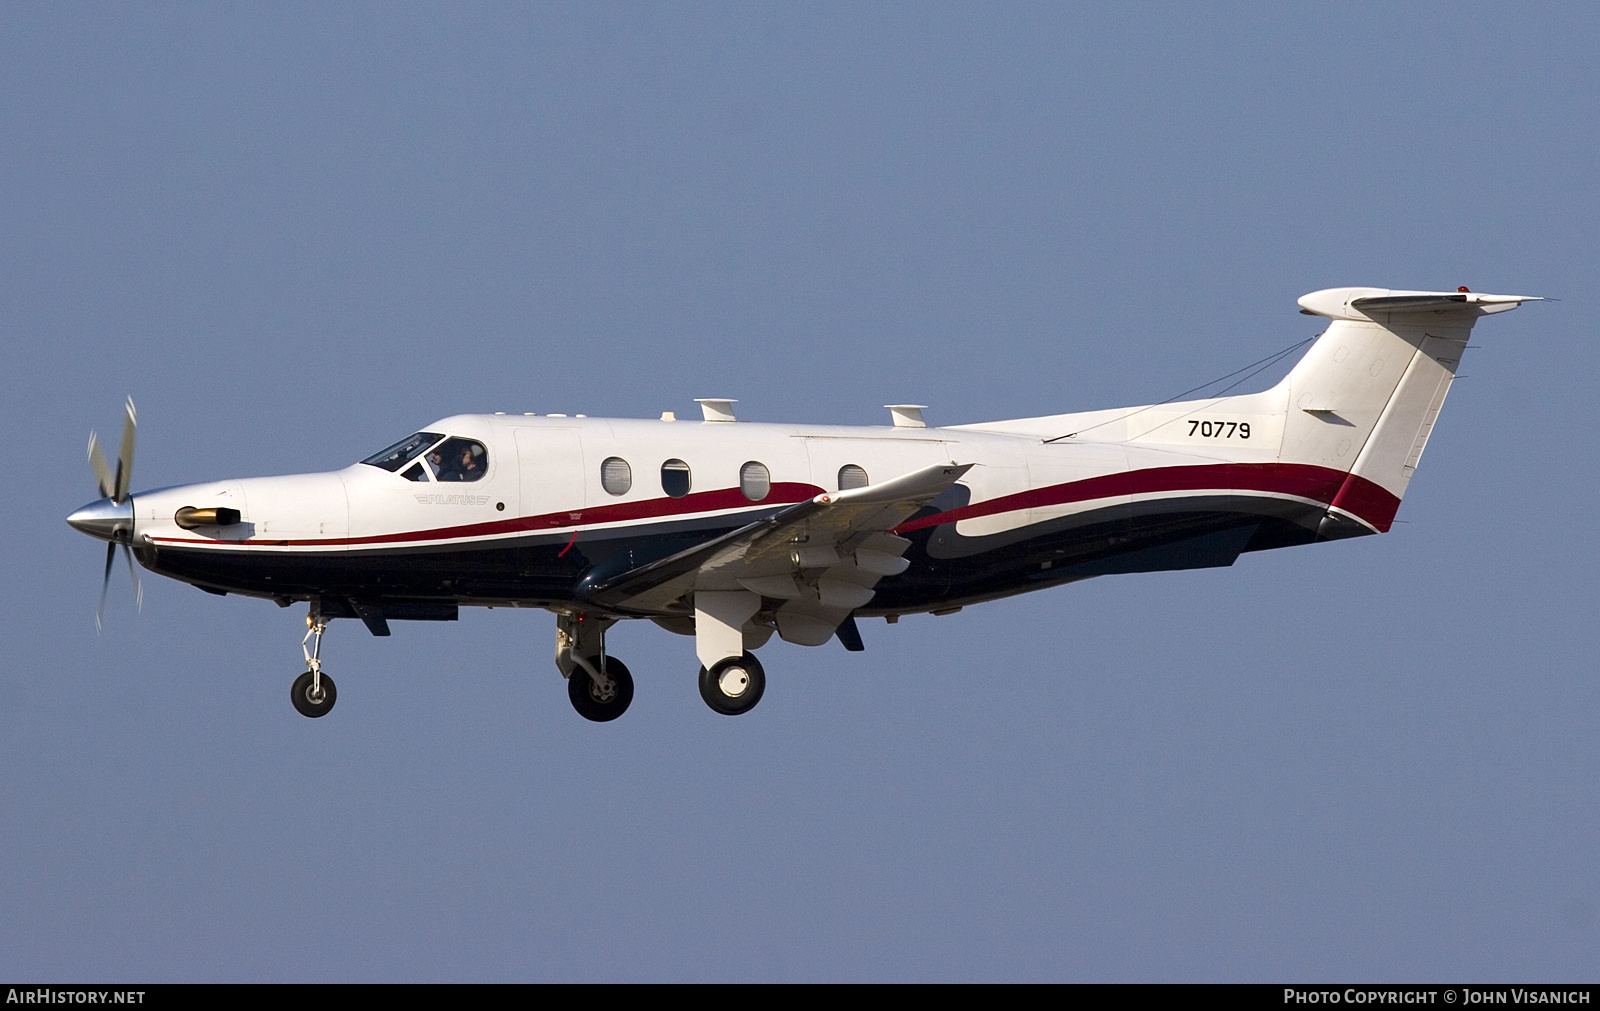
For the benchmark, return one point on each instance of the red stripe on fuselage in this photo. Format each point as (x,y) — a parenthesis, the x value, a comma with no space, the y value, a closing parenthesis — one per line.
(783,493)
(1367,502)
(1356,495)
(1363,499)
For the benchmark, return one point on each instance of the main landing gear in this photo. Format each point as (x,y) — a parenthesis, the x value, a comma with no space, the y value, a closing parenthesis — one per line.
(313,692)
(604,697)
(601,687)
(733,686)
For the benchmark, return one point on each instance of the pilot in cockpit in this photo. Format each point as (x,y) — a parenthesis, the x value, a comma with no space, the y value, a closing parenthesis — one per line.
(460,461)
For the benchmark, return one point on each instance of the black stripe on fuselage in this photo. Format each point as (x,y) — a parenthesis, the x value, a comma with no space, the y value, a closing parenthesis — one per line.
(946,569)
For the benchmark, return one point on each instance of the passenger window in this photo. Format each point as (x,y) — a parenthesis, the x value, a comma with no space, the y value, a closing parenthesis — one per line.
(675,478)
(459,460)
(851,476)
(755,481)
(616,477)
(414,473)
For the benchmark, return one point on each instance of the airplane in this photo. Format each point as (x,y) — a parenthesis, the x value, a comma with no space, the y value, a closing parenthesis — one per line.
(732,531)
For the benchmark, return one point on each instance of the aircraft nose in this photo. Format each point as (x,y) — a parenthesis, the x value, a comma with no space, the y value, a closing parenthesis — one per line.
(105,519)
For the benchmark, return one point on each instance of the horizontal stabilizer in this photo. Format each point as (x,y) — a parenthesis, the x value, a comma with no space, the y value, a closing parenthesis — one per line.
(1369,303)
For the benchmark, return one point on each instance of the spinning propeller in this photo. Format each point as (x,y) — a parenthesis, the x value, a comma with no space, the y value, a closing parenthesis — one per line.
(111,518)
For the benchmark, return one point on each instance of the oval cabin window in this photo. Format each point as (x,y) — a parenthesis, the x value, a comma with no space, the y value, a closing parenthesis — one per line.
(851,476)
(755,481)
(616,477)
(675,478)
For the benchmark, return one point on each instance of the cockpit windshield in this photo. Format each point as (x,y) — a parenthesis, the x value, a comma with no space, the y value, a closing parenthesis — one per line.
(402,452)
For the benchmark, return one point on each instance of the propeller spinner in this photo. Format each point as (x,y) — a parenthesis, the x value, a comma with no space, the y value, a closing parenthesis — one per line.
(111,517)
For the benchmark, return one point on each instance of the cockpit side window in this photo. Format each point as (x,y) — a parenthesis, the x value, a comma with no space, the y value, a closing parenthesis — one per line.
(403,452)
(459,460)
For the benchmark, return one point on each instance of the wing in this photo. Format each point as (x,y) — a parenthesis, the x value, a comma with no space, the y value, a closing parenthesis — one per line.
(821,557)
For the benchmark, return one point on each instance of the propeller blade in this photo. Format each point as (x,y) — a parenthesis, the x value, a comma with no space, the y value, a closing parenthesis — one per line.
(133,573)
(125,454)
(114,486)
(102,470)
(105,581)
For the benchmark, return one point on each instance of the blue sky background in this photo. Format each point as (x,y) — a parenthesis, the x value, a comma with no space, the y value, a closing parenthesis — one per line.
(295,234)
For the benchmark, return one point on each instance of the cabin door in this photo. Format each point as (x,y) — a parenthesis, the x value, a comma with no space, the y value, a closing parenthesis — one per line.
(551,462)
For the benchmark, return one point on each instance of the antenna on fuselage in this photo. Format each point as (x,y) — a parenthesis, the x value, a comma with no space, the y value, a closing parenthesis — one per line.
(713,409)
(907,415)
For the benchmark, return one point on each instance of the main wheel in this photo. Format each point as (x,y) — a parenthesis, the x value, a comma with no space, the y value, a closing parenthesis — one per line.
(300,695)
(734,685)
(593,704)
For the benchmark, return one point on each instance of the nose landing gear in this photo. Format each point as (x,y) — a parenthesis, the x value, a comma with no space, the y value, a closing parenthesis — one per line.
(310,698)
(313,692)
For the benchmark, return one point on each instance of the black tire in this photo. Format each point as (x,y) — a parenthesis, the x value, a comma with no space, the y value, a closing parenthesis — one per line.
(586,699)
(714,685)
(300,695)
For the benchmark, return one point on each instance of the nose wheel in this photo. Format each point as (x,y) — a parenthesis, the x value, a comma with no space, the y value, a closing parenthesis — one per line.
(601,698)
(310,698)
(733,686)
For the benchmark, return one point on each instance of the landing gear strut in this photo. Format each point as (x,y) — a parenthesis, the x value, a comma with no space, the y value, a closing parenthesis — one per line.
(313,692)
(733,686)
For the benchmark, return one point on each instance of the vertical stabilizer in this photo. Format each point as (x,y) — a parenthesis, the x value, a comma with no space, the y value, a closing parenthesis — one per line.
(1365,397)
